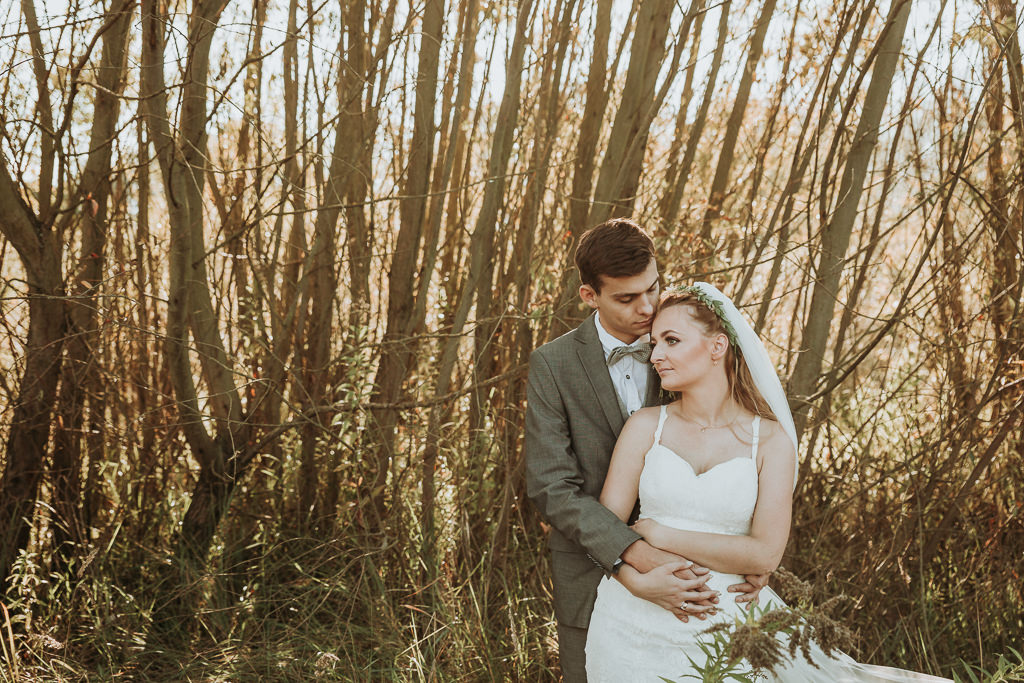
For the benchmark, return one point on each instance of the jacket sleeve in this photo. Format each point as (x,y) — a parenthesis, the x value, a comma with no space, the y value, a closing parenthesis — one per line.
(554,478)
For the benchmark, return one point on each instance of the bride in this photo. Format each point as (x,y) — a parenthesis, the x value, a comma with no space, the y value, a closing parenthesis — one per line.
(714,472)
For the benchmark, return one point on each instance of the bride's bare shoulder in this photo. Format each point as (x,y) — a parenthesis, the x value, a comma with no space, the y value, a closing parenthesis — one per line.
(640,427)
(773,437)
(647,414)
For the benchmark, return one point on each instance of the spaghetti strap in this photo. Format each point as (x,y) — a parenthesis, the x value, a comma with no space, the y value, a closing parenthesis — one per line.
(756,427)
(661,425)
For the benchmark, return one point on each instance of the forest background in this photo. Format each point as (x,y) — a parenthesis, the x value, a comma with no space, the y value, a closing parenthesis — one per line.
(272,271)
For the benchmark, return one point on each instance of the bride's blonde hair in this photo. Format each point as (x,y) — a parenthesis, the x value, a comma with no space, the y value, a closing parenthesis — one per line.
(741,384)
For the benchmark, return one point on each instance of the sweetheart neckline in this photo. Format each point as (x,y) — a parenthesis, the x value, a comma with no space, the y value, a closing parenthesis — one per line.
(687,462)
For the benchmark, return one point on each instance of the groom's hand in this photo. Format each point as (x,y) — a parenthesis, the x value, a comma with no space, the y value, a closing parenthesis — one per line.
(645,558)
(661,585)
(750,588)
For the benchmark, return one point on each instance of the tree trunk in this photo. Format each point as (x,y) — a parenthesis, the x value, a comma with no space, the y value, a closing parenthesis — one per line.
(590,124)
(836,234)
(283,300)
(48,148)
(619,169)
(670,206)
(79,374)
(720,183)
(517,330)
(40,253)
(752,257)
(783,212)
(870,242)
(397,348)
(40,250)
(584,163)
(478,280)
(1006,216)
(183,162)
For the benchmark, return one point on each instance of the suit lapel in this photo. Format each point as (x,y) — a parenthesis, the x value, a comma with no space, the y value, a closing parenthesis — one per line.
(591,356)
(653,388)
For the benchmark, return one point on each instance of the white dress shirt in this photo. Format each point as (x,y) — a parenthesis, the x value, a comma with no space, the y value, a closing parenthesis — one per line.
(629,375)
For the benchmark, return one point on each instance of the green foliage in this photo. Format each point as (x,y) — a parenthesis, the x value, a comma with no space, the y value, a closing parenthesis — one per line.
(1007,670)
(718,663)
(766,637)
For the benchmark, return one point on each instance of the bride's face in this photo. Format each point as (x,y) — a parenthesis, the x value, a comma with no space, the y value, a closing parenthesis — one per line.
(683,353)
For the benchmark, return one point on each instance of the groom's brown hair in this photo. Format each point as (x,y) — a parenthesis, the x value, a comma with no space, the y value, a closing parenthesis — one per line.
(616,248)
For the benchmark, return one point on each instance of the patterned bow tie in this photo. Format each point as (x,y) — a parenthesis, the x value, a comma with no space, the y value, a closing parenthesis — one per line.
(642,352)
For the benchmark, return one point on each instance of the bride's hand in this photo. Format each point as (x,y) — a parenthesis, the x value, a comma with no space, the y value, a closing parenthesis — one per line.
(644,557)
(684,598)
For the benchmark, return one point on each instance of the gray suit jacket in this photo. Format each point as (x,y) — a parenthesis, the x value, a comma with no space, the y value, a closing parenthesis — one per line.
(572,422)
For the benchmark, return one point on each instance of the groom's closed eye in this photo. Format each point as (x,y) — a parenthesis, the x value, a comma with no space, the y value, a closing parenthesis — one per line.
(630,297)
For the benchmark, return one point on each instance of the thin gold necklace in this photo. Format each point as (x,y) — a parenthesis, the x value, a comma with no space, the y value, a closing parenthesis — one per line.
(706,427)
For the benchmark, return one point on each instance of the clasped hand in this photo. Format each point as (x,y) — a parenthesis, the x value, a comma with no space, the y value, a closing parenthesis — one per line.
(667,580)
(655,536)
(663,586)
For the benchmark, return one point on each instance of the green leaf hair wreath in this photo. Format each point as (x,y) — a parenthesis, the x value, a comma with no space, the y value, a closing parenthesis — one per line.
(716,308)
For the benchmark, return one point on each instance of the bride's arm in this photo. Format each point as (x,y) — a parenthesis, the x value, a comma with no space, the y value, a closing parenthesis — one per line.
(761,550)
(622,484)
(667,579)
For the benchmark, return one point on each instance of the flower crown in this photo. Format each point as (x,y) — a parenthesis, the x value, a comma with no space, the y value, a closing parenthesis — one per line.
(716,307)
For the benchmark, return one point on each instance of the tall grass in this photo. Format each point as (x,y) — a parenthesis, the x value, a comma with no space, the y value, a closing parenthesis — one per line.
(279,605)
(340,606)
(283,598)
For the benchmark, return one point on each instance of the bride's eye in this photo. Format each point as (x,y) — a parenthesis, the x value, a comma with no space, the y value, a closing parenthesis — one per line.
(671,341)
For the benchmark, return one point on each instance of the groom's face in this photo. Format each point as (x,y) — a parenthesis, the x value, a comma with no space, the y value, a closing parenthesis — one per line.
(626,304)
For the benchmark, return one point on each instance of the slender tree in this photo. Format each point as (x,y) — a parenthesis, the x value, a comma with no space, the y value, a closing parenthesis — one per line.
(37,236)
(836,233)
(79,370)
(398,346)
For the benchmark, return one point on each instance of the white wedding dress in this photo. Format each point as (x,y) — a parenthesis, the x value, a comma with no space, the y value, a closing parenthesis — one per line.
(631,639)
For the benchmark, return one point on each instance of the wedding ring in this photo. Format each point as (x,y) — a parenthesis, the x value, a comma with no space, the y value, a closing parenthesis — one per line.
(685,606)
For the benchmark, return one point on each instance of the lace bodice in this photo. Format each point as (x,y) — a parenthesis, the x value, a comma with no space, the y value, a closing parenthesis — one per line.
(719,500)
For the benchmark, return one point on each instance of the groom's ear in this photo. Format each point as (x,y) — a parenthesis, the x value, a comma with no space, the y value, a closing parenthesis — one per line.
(588,295)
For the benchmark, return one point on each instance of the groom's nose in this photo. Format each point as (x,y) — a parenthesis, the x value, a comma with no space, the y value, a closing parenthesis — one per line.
(647,304)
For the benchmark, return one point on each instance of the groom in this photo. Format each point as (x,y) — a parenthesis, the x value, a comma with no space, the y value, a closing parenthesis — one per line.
(582,388)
